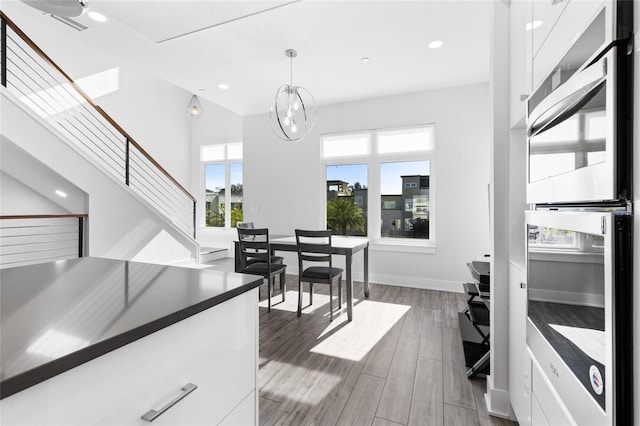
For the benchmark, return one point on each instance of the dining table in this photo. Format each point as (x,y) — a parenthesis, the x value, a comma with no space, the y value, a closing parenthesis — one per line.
(341,245)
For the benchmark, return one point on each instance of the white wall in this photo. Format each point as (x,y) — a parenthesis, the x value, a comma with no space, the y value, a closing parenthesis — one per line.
(19,199)
(284,184)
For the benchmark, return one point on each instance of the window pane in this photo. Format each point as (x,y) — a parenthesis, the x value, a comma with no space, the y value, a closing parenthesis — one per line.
(405,199)
(347,199)
(406,140)
(596,125)
(234,151)
(235,174)
(345,145)
(214,193)
(212,153)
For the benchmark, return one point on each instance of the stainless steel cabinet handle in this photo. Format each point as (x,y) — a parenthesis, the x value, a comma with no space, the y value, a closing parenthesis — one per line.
(151,415)
(523,285)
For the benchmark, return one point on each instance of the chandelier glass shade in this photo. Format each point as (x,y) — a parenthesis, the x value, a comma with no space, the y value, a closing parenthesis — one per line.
(293,113)
(194,108)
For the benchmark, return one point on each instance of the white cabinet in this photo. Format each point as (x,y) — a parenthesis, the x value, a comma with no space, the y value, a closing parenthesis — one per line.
(215,349)
(519,358)
(544,16)
(551,42)
(520,60)
(547,405)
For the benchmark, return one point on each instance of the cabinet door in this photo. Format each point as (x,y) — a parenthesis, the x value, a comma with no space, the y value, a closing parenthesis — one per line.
(545,14)
(575,18)
(519,361)
(520,60)
(214,349)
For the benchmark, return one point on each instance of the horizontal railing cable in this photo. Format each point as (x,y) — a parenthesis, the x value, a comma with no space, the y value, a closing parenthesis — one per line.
(45,88)
(29,239)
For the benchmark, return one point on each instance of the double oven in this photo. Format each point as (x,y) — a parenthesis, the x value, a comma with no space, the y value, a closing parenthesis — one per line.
(579,222)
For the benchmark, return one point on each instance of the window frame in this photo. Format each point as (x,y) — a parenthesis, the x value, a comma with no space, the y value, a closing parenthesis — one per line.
(373,160)
(227,162)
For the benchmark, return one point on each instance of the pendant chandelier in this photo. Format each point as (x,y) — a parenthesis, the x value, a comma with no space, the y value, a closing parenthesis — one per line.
(294,109)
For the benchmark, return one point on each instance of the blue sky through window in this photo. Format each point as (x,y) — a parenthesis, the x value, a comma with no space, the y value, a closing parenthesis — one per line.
(391,182)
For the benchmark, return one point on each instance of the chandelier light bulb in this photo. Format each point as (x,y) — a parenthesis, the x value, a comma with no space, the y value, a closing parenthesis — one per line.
(294,128)
(289,113)
(286,121)
(296,105)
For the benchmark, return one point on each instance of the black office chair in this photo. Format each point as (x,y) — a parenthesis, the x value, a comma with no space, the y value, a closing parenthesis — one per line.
(250,260)
(254,245)
(315,247)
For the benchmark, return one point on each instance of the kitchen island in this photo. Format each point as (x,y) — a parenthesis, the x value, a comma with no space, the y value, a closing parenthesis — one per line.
(102,341)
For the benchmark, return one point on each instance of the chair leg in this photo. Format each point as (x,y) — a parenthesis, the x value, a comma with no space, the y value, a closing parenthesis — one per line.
(283,285)
(340,291)
(331,300)
(299,297)
(310,294)
(269,291)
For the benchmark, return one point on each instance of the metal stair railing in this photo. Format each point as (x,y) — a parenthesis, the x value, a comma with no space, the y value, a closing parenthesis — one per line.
(29,239)
(37,81)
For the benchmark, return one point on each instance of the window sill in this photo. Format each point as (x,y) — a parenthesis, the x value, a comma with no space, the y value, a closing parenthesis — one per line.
(403,246)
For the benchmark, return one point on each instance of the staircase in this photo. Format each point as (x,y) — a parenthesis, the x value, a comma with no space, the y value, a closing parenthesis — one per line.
(137,210)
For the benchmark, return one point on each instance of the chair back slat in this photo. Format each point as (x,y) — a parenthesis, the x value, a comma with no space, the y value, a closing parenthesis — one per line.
(254,243)
(313,246)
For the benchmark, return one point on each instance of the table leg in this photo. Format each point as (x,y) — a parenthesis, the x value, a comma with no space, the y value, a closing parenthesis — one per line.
(366,272)
(349,288)
(236,248)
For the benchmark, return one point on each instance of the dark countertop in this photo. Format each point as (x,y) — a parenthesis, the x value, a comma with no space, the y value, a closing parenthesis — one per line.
(58,315)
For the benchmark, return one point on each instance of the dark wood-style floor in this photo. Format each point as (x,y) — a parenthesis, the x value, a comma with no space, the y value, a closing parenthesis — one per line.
(399,362)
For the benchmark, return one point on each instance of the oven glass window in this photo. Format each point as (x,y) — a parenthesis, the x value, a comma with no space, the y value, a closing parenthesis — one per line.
(577,142)
(567,300)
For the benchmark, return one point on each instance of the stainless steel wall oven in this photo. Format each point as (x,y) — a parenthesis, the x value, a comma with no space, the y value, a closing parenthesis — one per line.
(579,226)
(580,309)
(580,119)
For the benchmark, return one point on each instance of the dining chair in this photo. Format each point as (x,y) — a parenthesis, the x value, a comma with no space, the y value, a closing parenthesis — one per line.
(250,260)
(314,247)
(254,245)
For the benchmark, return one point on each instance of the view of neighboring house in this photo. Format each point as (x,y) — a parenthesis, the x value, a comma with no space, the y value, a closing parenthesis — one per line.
(404,215)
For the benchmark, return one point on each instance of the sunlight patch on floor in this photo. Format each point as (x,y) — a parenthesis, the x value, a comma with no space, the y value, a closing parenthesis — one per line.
(303,384)
(353,340)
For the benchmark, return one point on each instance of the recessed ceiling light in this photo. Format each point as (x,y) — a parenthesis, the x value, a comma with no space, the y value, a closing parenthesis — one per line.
(223,86)
(60,193)
(365,60)
(435,44)
(96,16)
(533,25)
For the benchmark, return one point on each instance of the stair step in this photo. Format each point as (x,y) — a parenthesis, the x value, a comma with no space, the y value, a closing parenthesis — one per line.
(207,254)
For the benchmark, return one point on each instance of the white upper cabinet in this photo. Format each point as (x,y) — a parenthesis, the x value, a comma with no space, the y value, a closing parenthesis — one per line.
(520,55)
(552,40)
(545,15)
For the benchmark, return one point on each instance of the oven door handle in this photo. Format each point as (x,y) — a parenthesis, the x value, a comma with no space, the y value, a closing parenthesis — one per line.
(568,98)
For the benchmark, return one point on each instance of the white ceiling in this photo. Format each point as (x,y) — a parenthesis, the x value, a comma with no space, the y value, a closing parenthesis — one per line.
(200,44)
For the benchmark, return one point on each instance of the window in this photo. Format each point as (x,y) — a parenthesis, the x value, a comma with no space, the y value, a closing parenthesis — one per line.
(378,183)
(222,184)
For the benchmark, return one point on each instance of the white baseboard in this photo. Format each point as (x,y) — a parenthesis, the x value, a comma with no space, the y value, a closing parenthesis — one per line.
(422,283)
(497,400)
